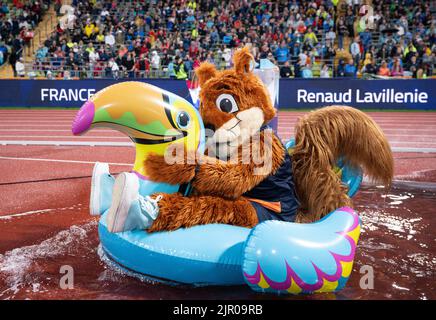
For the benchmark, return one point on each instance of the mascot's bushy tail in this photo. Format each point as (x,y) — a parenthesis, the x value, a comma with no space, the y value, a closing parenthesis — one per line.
(322,137)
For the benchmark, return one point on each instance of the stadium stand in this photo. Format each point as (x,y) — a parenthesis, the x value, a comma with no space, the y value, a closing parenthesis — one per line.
(322,38)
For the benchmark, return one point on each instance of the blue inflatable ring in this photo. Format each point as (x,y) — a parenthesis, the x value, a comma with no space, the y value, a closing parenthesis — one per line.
(219,254)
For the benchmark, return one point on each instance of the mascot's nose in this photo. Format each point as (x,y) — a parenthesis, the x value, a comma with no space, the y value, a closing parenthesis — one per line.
(84,118)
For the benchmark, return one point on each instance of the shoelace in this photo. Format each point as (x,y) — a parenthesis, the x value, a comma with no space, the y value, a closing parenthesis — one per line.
(149,205)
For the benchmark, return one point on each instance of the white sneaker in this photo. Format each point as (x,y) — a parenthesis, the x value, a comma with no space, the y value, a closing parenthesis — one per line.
(129,210)
(101,189)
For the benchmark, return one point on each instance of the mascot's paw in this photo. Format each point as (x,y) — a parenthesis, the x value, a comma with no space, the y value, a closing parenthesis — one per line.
(169,169)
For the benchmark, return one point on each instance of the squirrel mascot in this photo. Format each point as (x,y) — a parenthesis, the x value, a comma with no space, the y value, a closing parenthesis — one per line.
(247,176)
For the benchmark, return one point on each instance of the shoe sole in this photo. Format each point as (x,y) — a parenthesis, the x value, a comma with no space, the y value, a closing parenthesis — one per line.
(119,209)
(94,208)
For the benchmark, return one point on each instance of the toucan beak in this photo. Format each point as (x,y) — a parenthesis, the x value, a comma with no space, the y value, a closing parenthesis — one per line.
(84,118)
(144,112)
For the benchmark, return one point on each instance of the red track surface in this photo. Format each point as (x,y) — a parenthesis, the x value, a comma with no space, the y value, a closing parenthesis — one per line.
(45,189)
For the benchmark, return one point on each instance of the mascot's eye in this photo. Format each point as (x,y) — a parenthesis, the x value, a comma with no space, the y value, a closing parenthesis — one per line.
(183,119)
(226,103)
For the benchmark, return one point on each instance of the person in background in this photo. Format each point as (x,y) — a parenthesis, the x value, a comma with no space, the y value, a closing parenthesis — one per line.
(129,65)
(325,71)
(115,69)
(310,38)
(19,67)
(306,71)
(109,39)
(141,66)
(171,70)
(350,69)
(155,63)
(13,58)
(282,53)
(330,37)
(412,66)
(180,70)
(297,69)
(355,51)
(285,70)
(384,70)
(396,69)
(49,75)
(67,75)
(342,31)
(368,65)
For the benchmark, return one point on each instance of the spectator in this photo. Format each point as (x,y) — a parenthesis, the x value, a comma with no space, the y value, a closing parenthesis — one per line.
(355,51)
(350,69)
(384,70)
(180,70)
(368,65)
(155,62)
(342,31)
(19,67)
(297,68)
(115,69)
(330,37)
(109,39)
(306,71)
(129,64)
(412,66)
(396,69)
(13,58)
(282,53)
(325,71)
(171,69)
(285,70)
(310,38)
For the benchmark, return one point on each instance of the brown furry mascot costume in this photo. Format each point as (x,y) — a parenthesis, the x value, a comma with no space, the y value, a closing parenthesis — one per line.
(230,189)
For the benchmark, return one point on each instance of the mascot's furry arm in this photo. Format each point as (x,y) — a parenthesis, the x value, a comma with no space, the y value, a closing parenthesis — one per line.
(222,178)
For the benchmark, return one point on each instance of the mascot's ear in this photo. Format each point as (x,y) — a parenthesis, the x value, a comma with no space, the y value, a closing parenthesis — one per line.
(204,72)
(242,60)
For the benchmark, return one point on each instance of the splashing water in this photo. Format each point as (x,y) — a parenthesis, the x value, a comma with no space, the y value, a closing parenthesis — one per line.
(16,264)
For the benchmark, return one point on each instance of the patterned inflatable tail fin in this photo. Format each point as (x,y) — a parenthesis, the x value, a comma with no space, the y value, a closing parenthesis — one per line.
(283,257)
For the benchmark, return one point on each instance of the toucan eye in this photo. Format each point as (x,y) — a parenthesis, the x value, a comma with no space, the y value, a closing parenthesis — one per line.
(183,119)
(226,103)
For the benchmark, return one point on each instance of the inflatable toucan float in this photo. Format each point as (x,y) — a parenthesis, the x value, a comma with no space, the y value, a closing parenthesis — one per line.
(275,255)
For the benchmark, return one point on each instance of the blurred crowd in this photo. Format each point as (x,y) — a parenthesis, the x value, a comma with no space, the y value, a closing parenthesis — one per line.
(170,38)
(18,20)
(406,44)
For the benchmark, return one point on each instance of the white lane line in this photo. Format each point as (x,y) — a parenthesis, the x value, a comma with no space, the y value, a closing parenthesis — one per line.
(66,143)
(63,161)
(28,213)
(414,150)
(412,142)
